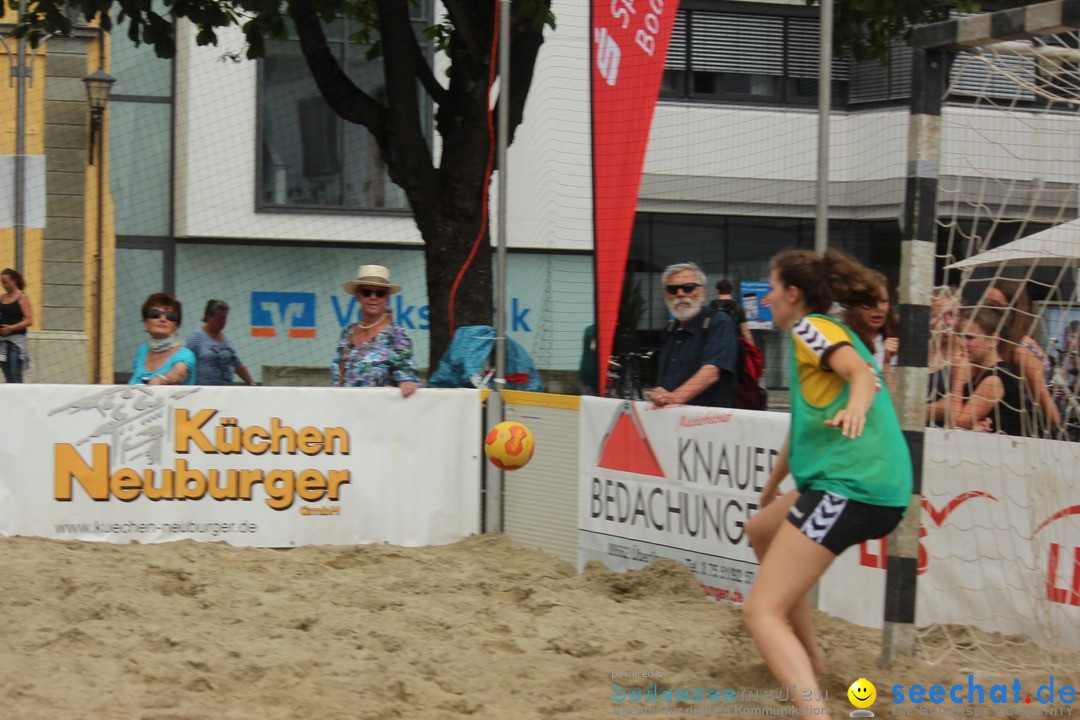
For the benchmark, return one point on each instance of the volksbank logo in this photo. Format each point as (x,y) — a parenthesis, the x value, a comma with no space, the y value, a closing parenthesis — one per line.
(290,313)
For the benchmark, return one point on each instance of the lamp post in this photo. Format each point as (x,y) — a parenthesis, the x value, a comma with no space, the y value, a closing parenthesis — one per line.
(98,86)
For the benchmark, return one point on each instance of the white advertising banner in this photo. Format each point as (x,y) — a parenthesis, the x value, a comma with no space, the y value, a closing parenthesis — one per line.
(999,540)
(675,482)
(267,467)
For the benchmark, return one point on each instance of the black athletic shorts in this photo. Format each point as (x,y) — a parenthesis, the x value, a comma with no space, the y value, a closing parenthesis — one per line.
(836,522)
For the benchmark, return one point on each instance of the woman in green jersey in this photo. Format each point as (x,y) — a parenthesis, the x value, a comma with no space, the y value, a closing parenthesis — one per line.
(845,451)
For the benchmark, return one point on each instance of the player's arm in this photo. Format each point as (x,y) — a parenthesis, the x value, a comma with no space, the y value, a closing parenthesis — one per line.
(846,362)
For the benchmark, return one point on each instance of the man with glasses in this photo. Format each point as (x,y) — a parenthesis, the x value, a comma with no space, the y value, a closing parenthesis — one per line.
(697,360)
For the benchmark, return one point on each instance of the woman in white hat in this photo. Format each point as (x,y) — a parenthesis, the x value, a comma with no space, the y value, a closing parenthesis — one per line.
(374,352)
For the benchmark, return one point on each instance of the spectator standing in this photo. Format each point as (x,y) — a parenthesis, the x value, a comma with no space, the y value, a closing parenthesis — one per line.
(724,301)
(986,389)
(16,315)
(163,360)
(217,357)
(1021,351)
(376,351)
(698,358)
(589,370)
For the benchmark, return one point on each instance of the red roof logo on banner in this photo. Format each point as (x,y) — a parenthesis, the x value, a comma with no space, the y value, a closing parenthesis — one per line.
(626,447)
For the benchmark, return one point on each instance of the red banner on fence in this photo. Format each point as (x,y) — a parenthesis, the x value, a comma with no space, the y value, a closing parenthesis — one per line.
(629,42)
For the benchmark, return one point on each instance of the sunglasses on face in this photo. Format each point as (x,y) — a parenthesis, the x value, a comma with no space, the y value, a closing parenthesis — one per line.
(687,288)
(368,292)
(167,314)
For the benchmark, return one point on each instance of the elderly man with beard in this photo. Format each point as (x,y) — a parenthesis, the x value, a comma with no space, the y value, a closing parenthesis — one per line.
(697,361)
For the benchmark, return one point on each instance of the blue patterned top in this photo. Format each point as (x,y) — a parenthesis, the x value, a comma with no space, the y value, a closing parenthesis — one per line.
(386,359)
(217,362)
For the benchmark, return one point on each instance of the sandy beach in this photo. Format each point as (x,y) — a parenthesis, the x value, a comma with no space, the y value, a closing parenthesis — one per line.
(479,629)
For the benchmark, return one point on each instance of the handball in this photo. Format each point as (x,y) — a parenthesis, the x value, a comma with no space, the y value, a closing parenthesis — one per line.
(509,445)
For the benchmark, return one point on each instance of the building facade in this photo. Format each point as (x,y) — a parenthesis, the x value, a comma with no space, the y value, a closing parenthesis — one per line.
(230,179)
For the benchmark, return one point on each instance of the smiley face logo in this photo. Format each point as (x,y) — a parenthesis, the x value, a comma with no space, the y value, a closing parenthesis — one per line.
(862,693)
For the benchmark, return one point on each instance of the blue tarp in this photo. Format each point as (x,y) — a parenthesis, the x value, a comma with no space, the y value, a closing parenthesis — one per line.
(472,354)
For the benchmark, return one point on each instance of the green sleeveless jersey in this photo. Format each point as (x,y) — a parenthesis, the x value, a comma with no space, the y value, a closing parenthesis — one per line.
(873,468)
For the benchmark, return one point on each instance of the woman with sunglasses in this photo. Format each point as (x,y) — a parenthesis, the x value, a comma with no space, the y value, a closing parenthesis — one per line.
(374,352)
(163,360)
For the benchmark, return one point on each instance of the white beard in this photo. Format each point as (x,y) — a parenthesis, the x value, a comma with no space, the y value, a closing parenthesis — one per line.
(685,308)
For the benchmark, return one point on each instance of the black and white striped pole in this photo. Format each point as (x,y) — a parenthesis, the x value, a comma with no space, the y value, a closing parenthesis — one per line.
(929,75)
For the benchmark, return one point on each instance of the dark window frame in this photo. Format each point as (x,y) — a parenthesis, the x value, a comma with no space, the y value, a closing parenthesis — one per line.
(683,84)
(339,41)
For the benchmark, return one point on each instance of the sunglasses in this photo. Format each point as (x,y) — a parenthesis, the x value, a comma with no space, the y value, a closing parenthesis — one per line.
(685,287)
(368,292)
(167,314)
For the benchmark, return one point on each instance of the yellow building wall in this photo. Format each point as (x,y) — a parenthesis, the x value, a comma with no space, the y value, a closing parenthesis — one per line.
(33,238)
(34,137)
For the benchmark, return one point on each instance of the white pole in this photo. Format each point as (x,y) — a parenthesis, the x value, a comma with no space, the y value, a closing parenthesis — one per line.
(821,220)
(503,129)
(495,479)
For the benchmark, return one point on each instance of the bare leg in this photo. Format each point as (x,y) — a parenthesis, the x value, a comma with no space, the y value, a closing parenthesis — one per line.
(761,529)
(794,563)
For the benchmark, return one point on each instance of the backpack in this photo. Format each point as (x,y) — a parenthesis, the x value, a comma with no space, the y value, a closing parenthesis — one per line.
(749,395)
(749,367)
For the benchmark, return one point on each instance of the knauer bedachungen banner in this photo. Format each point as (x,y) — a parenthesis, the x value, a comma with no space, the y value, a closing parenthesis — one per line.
(676,482)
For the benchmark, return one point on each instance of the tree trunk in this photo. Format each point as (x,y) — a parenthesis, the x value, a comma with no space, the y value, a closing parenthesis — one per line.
(448,265)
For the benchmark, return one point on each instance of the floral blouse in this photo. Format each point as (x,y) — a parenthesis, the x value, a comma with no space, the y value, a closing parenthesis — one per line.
(386,359)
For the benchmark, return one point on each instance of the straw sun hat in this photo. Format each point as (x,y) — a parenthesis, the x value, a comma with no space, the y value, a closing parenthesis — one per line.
(372,276)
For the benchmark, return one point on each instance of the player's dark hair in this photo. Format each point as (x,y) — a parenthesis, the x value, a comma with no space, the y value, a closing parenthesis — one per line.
(824,279)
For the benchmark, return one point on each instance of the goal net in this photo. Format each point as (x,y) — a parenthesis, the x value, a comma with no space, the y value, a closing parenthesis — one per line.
(999,559)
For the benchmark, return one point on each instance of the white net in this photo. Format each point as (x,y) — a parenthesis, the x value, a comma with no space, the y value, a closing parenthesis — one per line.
(1000,549)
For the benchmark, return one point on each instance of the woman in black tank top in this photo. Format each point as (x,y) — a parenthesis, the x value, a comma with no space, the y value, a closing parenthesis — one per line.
(986,390)
(15,316)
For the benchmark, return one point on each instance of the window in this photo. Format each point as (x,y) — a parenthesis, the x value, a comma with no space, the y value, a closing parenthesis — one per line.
(735,56)
(769,55)
(309,157)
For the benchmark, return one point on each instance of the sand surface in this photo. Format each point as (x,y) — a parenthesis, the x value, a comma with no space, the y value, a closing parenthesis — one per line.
(480,629)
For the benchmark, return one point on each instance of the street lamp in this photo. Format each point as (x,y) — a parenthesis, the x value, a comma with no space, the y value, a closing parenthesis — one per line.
(98,86)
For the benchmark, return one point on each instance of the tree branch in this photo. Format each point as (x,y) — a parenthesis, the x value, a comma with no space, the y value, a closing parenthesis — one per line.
(427,77)
(406,151)
(525,42)
(475,42)
(344,97)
